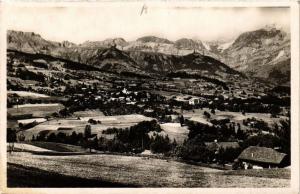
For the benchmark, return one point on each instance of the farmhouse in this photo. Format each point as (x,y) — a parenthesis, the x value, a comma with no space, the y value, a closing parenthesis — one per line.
(262,157)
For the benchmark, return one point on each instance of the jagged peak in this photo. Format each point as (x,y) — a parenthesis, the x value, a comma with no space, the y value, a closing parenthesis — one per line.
(154,39)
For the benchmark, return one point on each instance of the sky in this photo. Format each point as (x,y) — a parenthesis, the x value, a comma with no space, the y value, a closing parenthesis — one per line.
(79,24)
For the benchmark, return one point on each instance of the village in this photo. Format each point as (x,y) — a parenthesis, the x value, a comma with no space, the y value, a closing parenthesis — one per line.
(230,126)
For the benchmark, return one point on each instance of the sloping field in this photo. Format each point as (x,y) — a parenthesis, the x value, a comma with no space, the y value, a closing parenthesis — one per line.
(140,171)
(175,131)
(38,110)
(21,176)
(233,116)
(58,147)
(28,94)
(88,113)
(30,148)
(35,105)
(26,121)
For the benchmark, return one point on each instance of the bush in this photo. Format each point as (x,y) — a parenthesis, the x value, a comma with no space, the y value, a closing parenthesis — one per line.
(206,114)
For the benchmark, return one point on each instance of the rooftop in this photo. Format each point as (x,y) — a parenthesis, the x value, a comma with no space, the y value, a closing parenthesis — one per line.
(262,154)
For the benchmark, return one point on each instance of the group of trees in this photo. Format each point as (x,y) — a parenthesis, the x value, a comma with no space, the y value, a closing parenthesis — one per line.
(135,138)
(85,139)
(257,124)
(221,132)
(162,144)
(147,135)
(29,75)
(194,147)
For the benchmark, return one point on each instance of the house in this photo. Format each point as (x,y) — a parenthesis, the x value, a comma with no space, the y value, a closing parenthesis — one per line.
(125,91)
(194,101)
(262,157)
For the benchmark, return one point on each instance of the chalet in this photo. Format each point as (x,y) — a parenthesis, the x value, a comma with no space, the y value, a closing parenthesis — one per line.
(262,157)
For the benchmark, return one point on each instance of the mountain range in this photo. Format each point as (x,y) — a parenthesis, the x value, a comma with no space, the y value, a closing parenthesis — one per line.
(263,53)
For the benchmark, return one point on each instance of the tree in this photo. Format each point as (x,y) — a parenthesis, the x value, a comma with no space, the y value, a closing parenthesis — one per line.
(73,138)
(206,114)
(181,119)
(284,134)
(11,139)
(213,111)
(161,144)
(52,137)
(91,143)
(87,131)
(240,134)
(61,137)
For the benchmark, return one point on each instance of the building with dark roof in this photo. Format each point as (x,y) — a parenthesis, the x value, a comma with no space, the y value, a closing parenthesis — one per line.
(262,157)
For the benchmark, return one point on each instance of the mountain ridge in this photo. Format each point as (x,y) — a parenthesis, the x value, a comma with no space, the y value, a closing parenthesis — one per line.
(259,53)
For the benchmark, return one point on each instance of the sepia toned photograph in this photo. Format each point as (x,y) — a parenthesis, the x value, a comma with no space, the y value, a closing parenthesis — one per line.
(148,95)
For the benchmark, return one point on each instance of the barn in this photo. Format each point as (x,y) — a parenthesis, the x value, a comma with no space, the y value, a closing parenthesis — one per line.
(262,157)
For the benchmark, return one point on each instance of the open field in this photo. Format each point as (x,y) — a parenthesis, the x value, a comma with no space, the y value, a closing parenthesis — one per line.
(175,131)
(88,113)
(266,173)
(35,105)
(30,148)
(21,176)
(145,172)
(38,120)
(28,94)
(38,110)
(121,121)
(238,117)
(50,146)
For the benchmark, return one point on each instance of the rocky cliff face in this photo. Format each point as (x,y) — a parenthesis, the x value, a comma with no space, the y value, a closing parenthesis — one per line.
(29,42)
(263,53)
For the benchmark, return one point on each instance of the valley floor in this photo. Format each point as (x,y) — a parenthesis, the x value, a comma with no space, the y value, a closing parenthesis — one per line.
(101,170)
